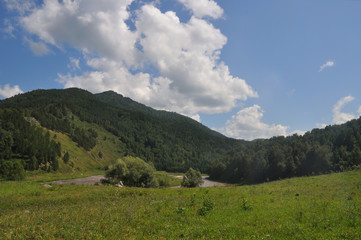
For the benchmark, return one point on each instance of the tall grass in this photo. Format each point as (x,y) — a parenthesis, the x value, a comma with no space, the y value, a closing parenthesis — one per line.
(321,207)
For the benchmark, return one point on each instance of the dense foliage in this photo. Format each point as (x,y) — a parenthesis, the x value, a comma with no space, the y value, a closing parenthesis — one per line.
(24,144)
(11,170)
(335,148)
(169,141)
(192,178)
(132,172)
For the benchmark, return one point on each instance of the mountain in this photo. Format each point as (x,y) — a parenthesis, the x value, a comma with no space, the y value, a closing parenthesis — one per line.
(110,125)
(73,129)
(117,100)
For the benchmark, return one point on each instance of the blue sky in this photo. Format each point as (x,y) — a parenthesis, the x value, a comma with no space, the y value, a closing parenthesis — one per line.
(249,69)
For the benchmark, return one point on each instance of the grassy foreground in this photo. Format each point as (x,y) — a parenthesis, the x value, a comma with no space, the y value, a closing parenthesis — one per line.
(320,207)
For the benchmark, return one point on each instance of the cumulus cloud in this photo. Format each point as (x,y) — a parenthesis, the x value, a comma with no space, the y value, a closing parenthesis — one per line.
(97,26)
(38,48)
(321,125)
(247,124)
(7,91)
(196,117)
(298,132)
(340,117)
(9,29)
(74,64)
(203,8)
(326,65)
(161,61)
(20,6)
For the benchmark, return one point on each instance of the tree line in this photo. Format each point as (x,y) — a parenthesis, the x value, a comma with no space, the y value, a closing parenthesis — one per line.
(24,145)
(169,141)
(335,148)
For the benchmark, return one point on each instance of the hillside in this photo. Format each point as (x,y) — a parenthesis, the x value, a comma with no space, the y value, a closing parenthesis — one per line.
(117,100)
(332,149)
(97,129)
(72,129)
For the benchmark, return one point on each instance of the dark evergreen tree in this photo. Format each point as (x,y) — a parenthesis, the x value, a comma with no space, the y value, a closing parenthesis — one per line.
(66,157)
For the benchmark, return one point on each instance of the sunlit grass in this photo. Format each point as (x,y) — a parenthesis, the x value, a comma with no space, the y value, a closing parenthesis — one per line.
(110,147)
(42,176)
(320,207)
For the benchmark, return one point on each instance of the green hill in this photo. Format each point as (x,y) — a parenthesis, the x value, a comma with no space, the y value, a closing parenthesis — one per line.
(72,129)
(165,117)
(97,129)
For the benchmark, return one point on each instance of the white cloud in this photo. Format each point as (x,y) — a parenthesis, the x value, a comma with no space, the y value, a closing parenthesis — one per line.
(321,125)
(20,6)
(38,48)
(96,26)
(203,8)
(9,28)
(187,54)
(340,117)
(74,64)
(247,124)
(8,91)
(190,77)
(298,132)
(196,117)
(327,64)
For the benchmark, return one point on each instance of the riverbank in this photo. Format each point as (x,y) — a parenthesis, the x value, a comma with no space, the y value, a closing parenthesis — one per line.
(96,180)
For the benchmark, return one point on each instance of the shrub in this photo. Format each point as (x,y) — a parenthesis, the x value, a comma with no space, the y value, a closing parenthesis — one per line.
(245,205)
(192,178)
(12,170)
(133,172)
(208,205)
(163,179)
(66,157)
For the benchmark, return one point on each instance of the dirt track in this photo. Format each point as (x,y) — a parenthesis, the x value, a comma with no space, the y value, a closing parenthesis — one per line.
(209,183)
(206,182)
(92,180)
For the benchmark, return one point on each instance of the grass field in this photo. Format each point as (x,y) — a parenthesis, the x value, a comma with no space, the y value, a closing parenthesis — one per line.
(42,176)
(319,207)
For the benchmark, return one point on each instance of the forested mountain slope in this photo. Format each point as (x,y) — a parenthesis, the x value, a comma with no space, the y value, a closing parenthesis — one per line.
(335,148)
(165,117)
(73,129)
(171,141)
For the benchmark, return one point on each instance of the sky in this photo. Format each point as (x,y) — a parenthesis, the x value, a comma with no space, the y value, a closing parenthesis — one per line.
(246,68)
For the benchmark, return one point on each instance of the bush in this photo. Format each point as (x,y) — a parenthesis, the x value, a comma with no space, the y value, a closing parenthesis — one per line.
(11,170)
(192,178)
(163,179)
(133,172)
(66,157)
(208,205)
(245,205)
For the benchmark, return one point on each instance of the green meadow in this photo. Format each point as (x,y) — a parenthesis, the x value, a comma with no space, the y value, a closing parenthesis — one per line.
(316,207)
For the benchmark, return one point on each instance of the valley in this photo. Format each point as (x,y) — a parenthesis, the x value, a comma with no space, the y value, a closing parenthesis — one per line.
(299,187)
(72,130)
